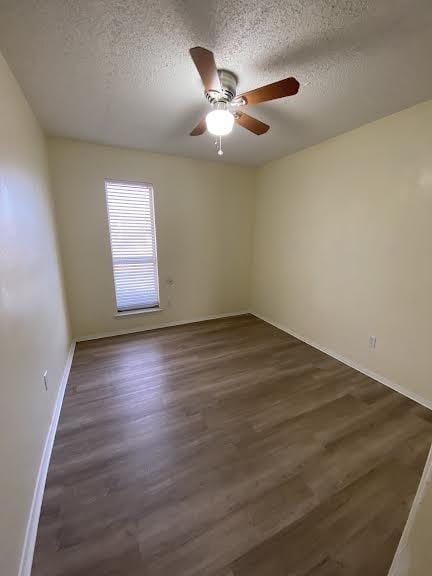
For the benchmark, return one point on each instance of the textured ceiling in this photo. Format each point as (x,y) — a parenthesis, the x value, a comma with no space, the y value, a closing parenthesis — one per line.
(118,71)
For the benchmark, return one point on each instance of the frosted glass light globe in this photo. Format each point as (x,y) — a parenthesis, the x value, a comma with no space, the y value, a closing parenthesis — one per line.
(219,122)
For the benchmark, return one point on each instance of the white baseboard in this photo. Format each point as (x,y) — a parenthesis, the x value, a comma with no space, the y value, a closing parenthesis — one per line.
(33,521)
(159,325)
(349,362)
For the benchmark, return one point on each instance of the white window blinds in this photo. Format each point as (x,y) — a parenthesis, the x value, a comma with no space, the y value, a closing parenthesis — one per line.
(133,245)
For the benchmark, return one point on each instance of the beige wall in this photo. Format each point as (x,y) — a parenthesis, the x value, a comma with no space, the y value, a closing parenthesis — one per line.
(33,326)
(343,244)
(204,216)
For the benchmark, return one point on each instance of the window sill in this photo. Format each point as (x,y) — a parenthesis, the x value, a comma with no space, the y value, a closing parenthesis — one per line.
(137,312)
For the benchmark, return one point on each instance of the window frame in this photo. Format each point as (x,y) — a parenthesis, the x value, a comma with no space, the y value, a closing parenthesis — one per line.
(141,309)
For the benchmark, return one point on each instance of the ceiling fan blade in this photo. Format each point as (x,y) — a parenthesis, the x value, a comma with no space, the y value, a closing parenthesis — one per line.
(200,128)
(286,87)
(206,66)
(251,123)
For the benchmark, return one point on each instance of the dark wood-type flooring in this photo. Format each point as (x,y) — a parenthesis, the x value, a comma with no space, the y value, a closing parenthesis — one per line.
(226,448)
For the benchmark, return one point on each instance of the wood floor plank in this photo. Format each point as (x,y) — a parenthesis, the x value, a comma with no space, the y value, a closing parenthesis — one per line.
(226,448)
(338,520)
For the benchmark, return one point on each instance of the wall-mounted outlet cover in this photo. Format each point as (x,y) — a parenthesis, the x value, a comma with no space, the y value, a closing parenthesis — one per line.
(372,342)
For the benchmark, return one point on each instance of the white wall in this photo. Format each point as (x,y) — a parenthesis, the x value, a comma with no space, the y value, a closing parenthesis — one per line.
(33,325)
(343,244)
(204,217)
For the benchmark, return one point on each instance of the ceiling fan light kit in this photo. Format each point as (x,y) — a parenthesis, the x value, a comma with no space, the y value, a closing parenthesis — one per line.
(220,121)
(220,89)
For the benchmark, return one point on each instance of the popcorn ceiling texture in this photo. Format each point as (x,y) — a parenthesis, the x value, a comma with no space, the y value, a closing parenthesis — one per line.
(118,71)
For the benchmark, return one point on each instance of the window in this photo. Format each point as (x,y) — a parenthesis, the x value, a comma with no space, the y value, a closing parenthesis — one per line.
(133,245)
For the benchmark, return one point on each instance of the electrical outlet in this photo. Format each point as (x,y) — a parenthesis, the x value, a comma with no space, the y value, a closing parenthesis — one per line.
(372,342)
(45,379)
(170,283)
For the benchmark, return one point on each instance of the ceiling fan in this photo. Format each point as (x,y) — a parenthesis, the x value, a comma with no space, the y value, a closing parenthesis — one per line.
(220,89)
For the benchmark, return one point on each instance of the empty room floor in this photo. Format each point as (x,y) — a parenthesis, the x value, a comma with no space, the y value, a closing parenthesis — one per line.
(226,448)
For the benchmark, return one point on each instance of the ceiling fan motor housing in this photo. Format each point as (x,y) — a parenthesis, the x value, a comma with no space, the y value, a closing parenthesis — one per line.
(228,82)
